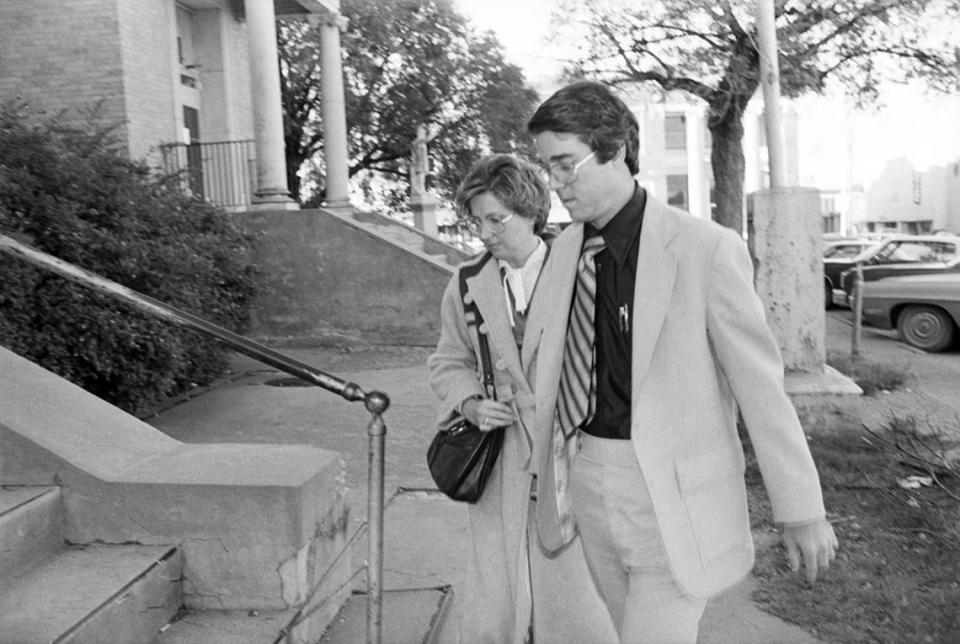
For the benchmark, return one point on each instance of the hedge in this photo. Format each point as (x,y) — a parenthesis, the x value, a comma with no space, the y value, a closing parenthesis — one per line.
(72,193)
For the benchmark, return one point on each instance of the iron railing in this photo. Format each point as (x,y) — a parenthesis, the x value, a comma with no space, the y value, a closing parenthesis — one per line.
(219,172)
(376,402)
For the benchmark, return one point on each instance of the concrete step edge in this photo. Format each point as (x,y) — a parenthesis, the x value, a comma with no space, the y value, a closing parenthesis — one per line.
(31,527)
(101,593)
(439,619)
(225,626)
(407,615)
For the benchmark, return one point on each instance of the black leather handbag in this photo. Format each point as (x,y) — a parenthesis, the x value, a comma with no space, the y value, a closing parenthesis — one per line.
(460,456)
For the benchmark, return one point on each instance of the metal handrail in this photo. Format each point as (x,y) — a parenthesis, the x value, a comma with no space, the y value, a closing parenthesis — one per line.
(219,172)
(376,402)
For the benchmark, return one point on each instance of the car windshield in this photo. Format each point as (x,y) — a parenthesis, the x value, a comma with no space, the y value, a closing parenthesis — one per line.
(909,251)
(845,250)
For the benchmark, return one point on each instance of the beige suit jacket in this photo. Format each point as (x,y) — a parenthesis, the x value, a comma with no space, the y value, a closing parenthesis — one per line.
(701,350)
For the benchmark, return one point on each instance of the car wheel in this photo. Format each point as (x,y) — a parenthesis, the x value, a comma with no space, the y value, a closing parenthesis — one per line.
(925,327)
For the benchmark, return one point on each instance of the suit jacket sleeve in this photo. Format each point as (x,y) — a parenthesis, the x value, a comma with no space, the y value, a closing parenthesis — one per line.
(453,365)
(750,359)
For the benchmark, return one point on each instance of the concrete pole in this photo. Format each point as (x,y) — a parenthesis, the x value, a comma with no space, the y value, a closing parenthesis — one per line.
(272,190)
(770,82)
(333,107)
(784,236)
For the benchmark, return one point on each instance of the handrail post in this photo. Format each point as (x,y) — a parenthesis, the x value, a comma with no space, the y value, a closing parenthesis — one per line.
(376,403)
(857,310)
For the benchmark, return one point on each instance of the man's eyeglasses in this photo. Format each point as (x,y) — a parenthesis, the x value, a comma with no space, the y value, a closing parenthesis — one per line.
(496,223)
(565,172)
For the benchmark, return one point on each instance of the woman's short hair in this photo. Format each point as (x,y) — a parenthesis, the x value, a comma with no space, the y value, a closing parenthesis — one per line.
(598,117)
(516,183)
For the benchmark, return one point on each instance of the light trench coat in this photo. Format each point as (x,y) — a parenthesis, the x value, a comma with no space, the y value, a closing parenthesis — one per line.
(497,602)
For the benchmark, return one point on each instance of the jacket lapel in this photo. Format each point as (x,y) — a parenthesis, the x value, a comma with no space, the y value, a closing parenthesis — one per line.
(549,320)
(487,292)
(656,271)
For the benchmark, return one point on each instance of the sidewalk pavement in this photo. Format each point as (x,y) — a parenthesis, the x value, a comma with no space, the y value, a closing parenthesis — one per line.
(426,535)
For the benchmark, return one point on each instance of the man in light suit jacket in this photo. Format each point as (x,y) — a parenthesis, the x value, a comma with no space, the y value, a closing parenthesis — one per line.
(655,479)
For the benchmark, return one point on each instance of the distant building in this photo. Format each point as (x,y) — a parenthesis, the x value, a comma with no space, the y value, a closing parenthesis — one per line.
(675,147)
(842,210)
(907,200)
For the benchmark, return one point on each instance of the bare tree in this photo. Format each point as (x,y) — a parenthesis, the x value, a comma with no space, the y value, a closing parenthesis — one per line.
(709,50)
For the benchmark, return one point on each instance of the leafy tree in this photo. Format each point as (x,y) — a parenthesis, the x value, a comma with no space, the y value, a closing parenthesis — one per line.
(406,63)
(708,49)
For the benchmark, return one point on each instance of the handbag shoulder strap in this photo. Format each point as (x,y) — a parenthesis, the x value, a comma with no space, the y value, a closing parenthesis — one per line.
(474,319)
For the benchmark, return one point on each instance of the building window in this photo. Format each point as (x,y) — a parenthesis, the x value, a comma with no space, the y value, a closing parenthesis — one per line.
(831,223)
(675,131)
(677,191)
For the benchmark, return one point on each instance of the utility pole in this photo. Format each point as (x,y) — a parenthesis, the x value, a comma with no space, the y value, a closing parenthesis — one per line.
(770,82)
(784,236)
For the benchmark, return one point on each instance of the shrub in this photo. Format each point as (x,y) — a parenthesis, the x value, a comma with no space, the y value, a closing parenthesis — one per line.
(71,193)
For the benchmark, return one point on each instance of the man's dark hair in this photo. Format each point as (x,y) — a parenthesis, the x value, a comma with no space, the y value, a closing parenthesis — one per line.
(592,112)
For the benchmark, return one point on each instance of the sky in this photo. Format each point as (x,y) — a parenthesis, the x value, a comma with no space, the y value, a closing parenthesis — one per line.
(923,129)
(521,27)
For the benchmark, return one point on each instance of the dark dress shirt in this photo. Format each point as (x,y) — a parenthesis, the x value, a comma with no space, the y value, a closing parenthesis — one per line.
(616,277)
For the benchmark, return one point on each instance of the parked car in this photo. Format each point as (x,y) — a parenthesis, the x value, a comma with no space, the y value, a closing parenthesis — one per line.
(845,248)
(895,249)
(924,309)
(874,272)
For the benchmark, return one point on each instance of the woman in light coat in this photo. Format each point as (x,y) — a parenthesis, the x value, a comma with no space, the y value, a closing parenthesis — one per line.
(515,591)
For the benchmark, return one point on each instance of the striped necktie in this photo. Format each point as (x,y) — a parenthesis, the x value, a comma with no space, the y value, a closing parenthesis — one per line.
(578,379)
(577,395)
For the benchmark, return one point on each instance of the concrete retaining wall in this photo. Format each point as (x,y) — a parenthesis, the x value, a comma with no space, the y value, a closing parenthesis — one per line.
(330,281)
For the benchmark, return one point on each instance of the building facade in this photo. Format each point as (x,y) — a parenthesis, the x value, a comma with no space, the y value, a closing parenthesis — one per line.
(675,143)
(907,200)
(189,85)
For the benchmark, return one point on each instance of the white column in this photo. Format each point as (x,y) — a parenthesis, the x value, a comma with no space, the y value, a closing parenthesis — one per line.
(333,107)
(696,176)
(272,190)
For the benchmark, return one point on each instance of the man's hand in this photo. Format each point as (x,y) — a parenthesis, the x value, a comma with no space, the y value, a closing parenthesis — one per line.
(812,541)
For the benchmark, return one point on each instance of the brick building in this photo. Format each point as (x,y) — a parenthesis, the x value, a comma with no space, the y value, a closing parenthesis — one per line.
(189,84)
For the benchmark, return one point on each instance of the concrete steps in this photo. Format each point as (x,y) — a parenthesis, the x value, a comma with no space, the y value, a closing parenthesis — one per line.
(426,541)
(53,592)
(226,627)
(31,527)
(414,615)
(409,237)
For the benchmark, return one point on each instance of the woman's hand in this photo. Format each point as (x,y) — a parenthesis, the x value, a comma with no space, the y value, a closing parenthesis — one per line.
(487,414)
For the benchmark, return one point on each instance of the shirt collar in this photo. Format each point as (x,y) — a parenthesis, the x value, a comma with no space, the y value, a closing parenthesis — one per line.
(534,260)
(622,230)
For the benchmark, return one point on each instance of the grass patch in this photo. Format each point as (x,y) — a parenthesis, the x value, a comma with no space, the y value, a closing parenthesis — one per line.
(872,376)
(897,573)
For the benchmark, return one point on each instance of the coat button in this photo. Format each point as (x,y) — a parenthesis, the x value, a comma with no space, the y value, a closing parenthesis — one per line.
(501,365)
(482,328)
(468,298)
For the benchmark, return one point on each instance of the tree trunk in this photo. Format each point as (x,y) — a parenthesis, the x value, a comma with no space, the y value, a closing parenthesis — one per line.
(293,177)
(726,157)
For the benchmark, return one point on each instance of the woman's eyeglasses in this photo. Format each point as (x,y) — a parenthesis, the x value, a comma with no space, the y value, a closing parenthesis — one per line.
(496,223)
